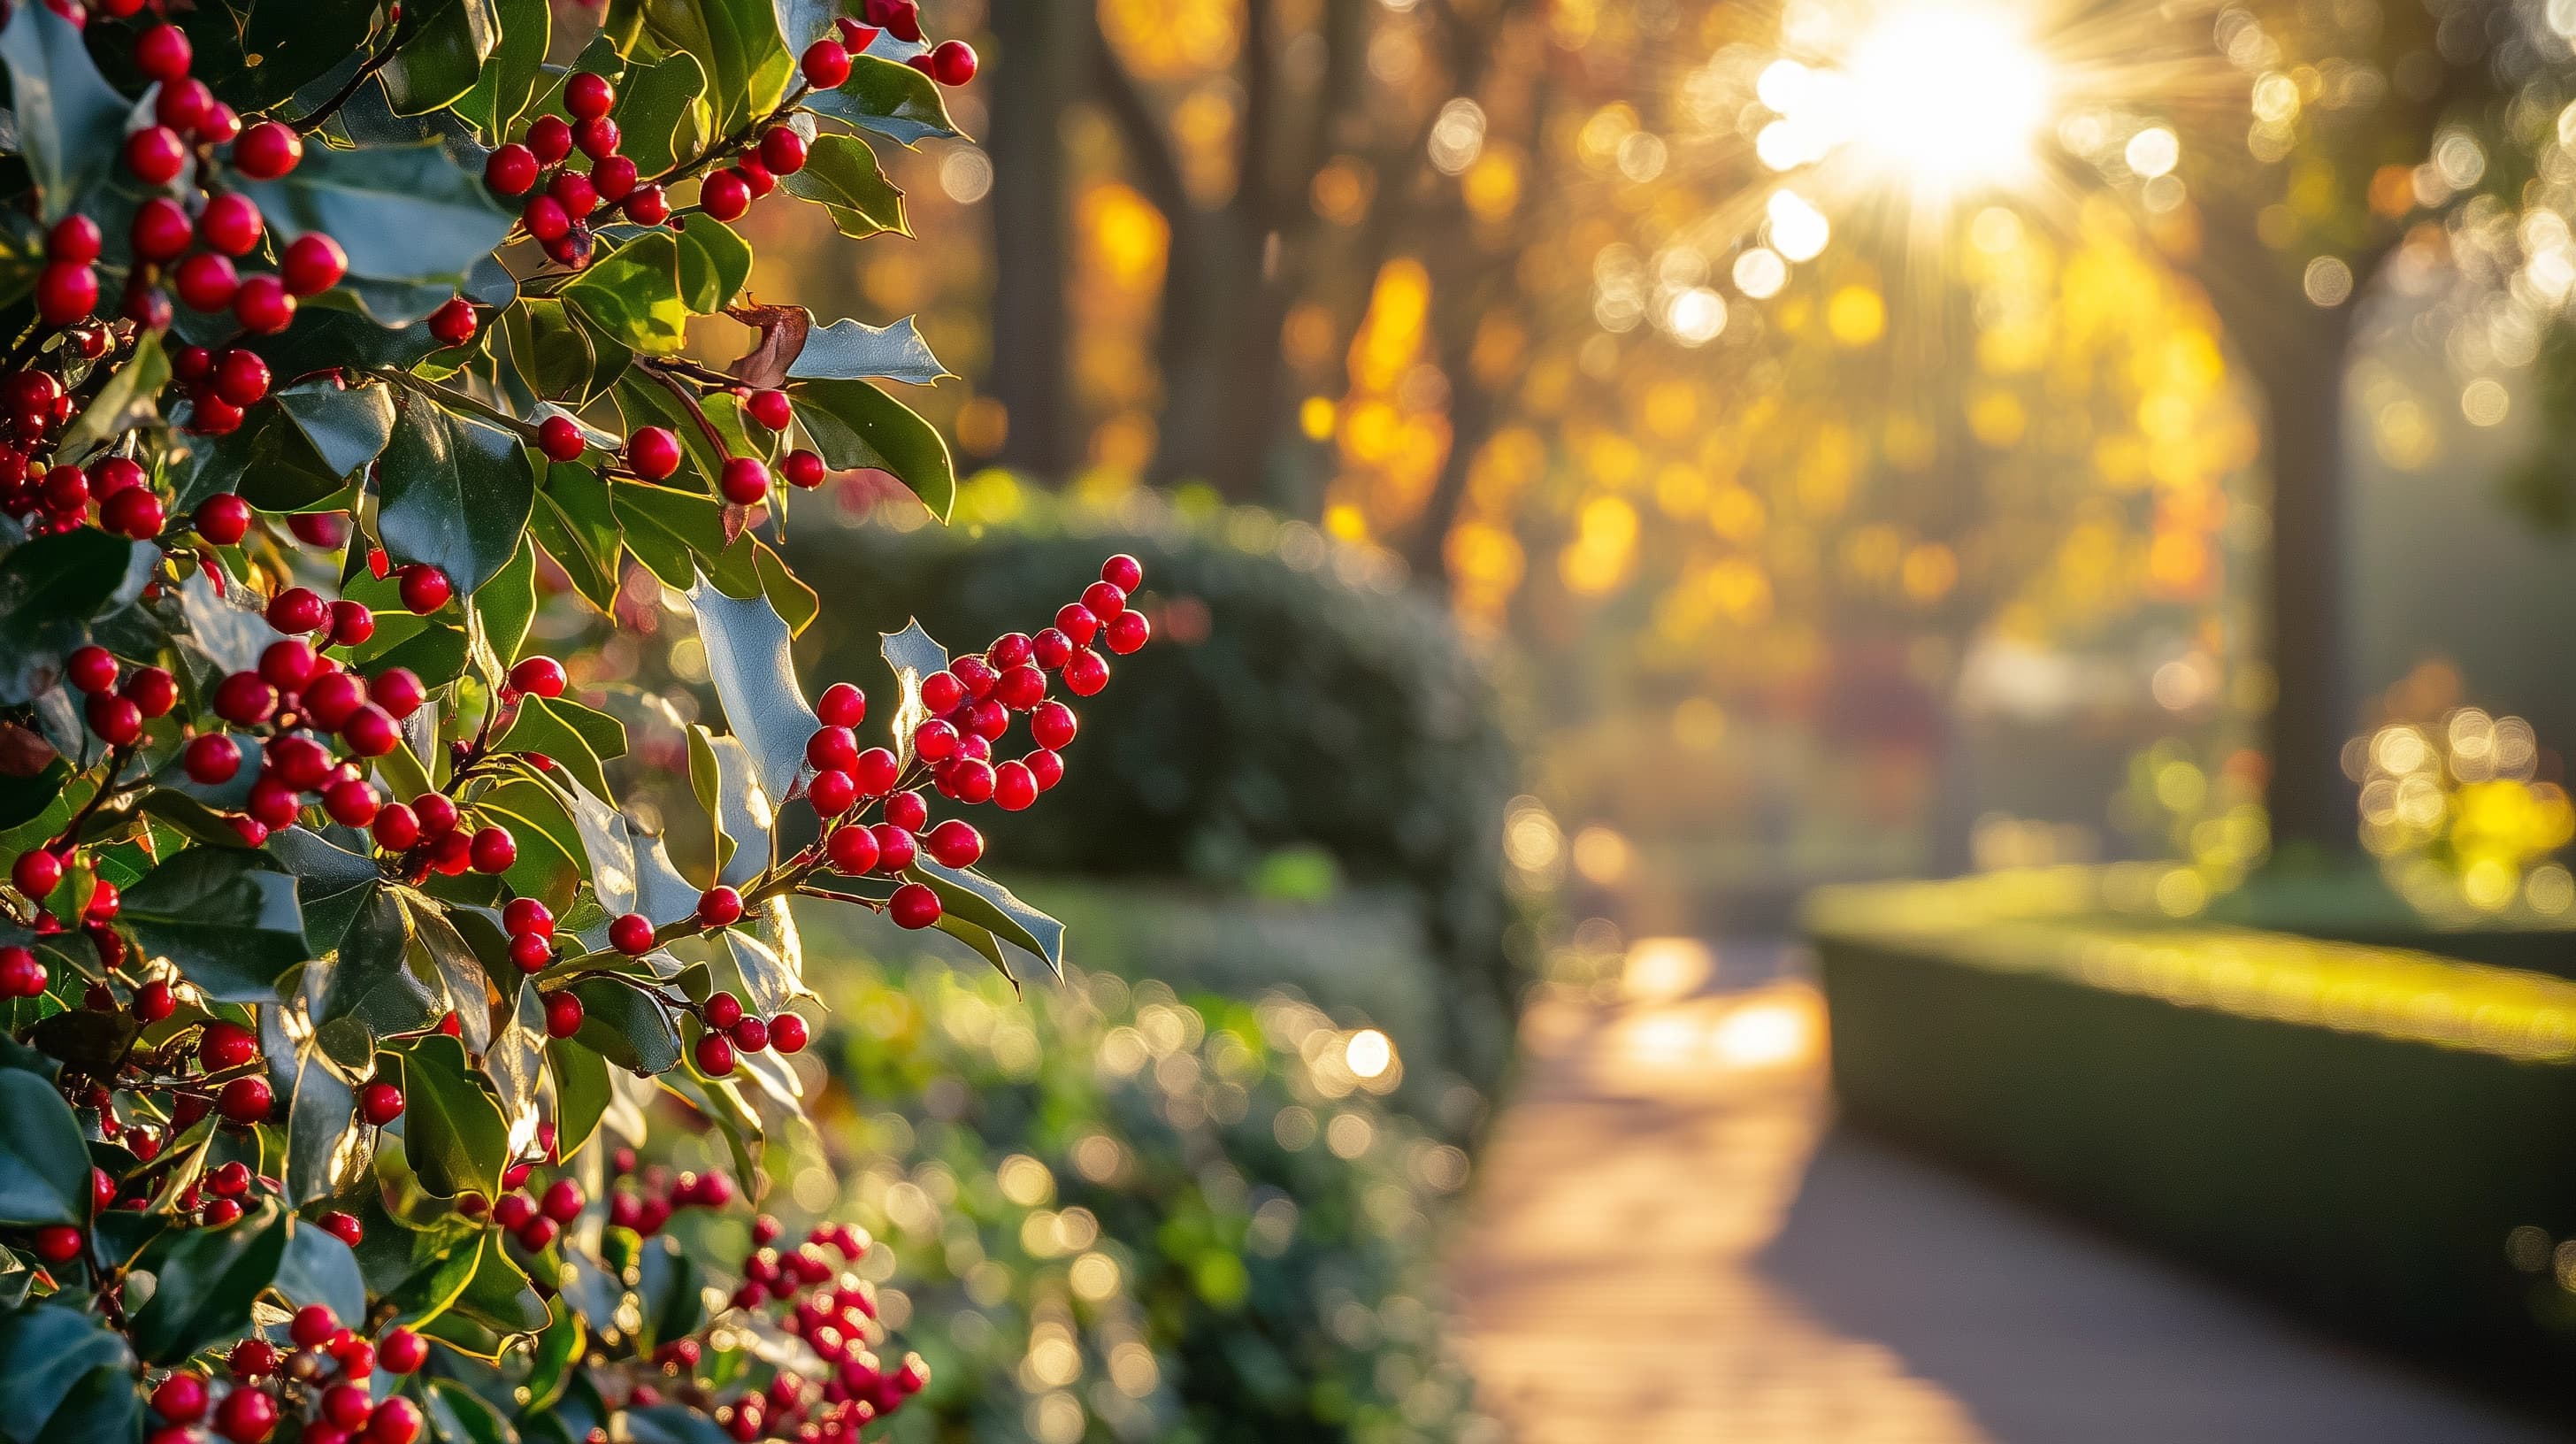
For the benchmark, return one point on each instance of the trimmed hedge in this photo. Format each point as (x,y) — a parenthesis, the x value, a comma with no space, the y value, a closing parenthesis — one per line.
(2355,1130)
(1296,701)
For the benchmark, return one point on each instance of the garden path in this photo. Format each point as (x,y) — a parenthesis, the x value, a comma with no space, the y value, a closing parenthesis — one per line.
(1672,1244)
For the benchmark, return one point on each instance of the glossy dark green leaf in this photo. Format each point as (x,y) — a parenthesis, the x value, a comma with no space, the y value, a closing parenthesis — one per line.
(206,1279)
(90,1040)
(559,358)
(442,54)
(671,1424)
(622,1025)
(499,614)
(547,726)
(748,659)
(892,99)
(661,115)
(279,470)
(673,533)
(988,904)
(796,603)
(632,294)
(850,350)
(51,590)
(51,1347)
(44,1167)
(738,45)
(347,427)
(447,952)
(371,981)
(452,1129)
(71,122)
(714,264)
(516,1062)
(744,818)
(671,1289)
(854,424)
(331,883)
(327,1145)
(256,53)
(841,175)
(576,523)
(509,80)
(458,1415)
(456,492)
(232,631)
(127,401)
(227,917)
(581,1093)
(406,214)
(320,1269)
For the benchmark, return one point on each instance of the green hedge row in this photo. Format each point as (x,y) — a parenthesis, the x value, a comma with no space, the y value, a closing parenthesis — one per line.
(2358,1131)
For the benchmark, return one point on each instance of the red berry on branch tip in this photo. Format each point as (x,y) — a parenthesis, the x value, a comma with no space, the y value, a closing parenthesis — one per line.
(267,150)
(631,934)
(913,906)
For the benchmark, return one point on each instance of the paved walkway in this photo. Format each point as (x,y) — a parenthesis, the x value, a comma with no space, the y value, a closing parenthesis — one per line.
(1671,1245)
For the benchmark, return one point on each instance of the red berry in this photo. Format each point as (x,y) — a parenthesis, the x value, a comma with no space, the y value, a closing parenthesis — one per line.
(836,748)
(1021,688)
(722,1011)
(560,438)
(788,1033)
(153,1003)
(66,291)
(530,952)
(163,53)
(526,915)
(934,740)
(262,306)
(396,1421)
(831,792)
(631,934)
(425,588)
(345,1406)
(59,1244)
(908,811)
(955,843)
(562,1202)
(351,623)
(21,976)
(181,1398)
(223,519)
(853,851)
(588,95)
(212,759)
(241,378)
(115,719)
(538,676)
(351,802)
(371,731)
(246,1416)
(245,1100)
(313,1325)
(745,481)
(725,195)
(1104,599)
(714,1054)
(573,191)
(511,170)
(895,847)
(551,138)
(614,178)
(245,700)
(313,263)
(37,873)
(913,906)
(267,150)
(1126,632)
(563,1015)
(399,691)
(719,906)
(454,323)
(402,1351)
(231,224)
(771,409)
(876,772)
(751,1035)
(1123,572)
(155,154)
(494,850)
(90,669)
(251,1358)
(842,705)
(75,239)
(648,206)
(653,452)
(380,1103)
(805,470)
(206,282)
(782,151)
(1085,673)
(1015,787)
(438,815)
(597,138)
(952,62)
(219,125)
(161,229)
(826,64)
(1077,623)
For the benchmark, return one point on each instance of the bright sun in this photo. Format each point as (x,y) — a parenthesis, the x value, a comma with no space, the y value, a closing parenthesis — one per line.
(1939,97)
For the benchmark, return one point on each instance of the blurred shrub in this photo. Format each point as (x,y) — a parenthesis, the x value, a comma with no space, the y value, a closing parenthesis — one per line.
(1121,1215)
(1297,708)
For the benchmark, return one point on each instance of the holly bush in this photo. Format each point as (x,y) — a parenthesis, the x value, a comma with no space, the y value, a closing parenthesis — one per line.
(352,345)
(1125,1213)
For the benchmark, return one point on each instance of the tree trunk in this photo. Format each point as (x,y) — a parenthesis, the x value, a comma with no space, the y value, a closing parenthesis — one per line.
(2296,354)
(1036,69)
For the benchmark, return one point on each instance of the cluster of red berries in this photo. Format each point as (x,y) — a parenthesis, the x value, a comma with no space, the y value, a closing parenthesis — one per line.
(318,1389)
(37,874)
(113,491)
(535,1219)
(560,213)
(645,1199)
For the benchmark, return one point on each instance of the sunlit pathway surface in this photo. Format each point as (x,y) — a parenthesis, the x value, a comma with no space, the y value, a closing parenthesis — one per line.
(1670,1245)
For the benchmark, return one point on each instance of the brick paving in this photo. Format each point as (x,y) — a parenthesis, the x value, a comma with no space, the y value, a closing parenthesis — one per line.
(1670,1244)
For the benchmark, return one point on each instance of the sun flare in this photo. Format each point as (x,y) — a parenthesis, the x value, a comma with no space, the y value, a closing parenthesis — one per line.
(1938,98)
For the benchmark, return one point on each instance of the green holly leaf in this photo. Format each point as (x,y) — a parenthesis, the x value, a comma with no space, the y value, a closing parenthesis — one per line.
(632,294)
(559,357)
(51,1348)
(71,122)
(622,1025)
(407,215)
(441,58)
(892,99)
(854,424)
(227,916)
(328,1146)
(754,673)
(452,1129)
(346,426)
(206,1279)
(841,175)
(320,1269)
(51,590)
(331,882)
(567,732)
(581,1093)
(256,53)
(576,523)
(849,350)
(44,1166)
(508,81)
(370,981)
(989,905)
(738,45)
(127,401)
(102,1405)
(662,117)
(745,820)
(911,655)
(714,264)
(456,493)
(671,532)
